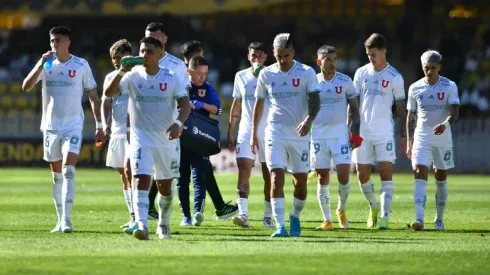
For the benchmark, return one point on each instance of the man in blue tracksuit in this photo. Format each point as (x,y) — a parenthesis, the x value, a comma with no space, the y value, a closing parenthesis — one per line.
(205,101)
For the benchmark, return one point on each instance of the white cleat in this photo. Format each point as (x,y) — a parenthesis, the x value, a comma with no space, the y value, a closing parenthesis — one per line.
(439,225)
(268,222)
(241,221)
(163,231)
(56,229)
(66,227)
(198,219)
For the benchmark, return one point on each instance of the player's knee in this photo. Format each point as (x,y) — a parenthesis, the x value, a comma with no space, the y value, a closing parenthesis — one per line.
(244,172)
(69,171)
(440,175)
(421,172)
(323,176)
(343,178)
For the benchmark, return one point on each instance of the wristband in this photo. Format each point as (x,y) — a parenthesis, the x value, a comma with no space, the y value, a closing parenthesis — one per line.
(446,123)
(128,129)
(178,122)
(98,125)
(121,73)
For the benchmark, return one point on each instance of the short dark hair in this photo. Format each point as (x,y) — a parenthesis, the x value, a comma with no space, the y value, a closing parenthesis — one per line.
(191,48)
(197,61)
(156,26)
(375,40)
(257,46)
(121,46)
(325,49)
(153,41)
(62,30)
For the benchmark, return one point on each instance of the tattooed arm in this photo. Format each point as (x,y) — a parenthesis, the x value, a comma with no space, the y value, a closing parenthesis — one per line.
(234,117)
(106,115)
(313,109)
(410,129)
(354,116)
(401,114)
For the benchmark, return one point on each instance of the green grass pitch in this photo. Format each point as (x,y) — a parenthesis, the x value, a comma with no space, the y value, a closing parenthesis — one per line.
(217,247)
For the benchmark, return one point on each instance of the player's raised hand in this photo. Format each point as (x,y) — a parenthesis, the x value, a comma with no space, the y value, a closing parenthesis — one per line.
(304,127)
(174,131)
(47,55)
(439,129)
(254,144)
(231,142)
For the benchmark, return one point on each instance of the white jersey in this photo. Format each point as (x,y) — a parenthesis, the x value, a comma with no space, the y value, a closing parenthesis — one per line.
(378,90)
(119,110)
(431,103)
(288,97)
(176,66)
(244,89)
(62,90)
(152,101)
(331,121)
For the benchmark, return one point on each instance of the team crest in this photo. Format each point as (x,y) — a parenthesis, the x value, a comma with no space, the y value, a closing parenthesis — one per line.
(201,92)
(295,82)
(72,73)
(163,86)
(338,89)
(385,83)
(440,95)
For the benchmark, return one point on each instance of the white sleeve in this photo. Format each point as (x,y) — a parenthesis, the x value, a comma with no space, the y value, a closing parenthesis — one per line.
(311,81)
(453,98)
(398,87)
(351,90)
(412,101)
(88,79)
(185,76)
(261,89)
(180,91)
(236,88)
(357,82)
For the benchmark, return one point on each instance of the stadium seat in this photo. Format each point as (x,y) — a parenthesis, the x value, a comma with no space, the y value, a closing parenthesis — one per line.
(16,87)
(21,102)
(27,122)
(12,123)
(6,102)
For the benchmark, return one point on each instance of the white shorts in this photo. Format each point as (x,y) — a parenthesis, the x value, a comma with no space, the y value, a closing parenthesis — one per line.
(324,150)
(116,152)
(373,151)
(243,150)
(161,162)
(291,153)
(58,144)
(424,154)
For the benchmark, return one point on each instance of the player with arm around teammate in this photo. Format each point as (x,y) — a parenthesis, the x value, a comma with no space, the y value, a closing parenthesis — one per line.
(293,91)
(242,109)
(433,106)
(330,134)
(153,95)
(63,86)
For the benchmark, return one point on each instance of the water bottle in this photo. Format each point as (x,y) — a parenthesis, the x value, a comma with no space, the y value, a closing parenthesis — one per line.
(256,68)
(49,62)
(130,61)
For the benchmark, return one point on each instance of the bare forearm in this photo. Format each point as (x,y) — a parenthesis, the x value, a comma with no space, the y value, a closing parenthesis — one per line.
(411,124)
(112,89)
(106,112)
(453,113)
(211,108)
(401,114)
(313,105)
(95,103)
(185,109)
(234,115)
(257,114)
(31,78)
(354,116)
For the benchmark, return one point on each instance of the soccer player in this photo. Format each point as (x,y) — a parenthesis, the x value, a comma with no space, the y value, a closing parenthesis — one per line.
(175,65)
(433,105)
(379,85)
(242,106)
(330,134)
(191,49)
(153,94)
(293,91)
(114,119)
(63,86)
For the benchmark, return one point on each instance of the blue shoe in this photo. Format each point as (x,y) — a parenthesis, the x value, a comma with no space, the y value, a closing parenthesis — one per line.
(280,232)
(131,228)
(186,221)
(295,226)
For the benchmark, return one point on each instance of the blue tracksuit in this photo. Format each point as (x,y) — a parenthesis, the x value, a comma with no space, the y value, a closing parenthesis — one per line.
(207,94)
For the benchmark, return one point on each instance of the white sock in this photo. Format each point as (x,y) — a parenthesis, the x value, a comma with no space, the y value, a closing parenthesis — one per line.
(441,198)
(368,192)
(386,198)
(57,189)
(267,209)
(278,210)
(141,203)
(344,190)
(298,206)
(242,206)
(419,197)
(164,209)
(68,191)
(128,198)
(323,195)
